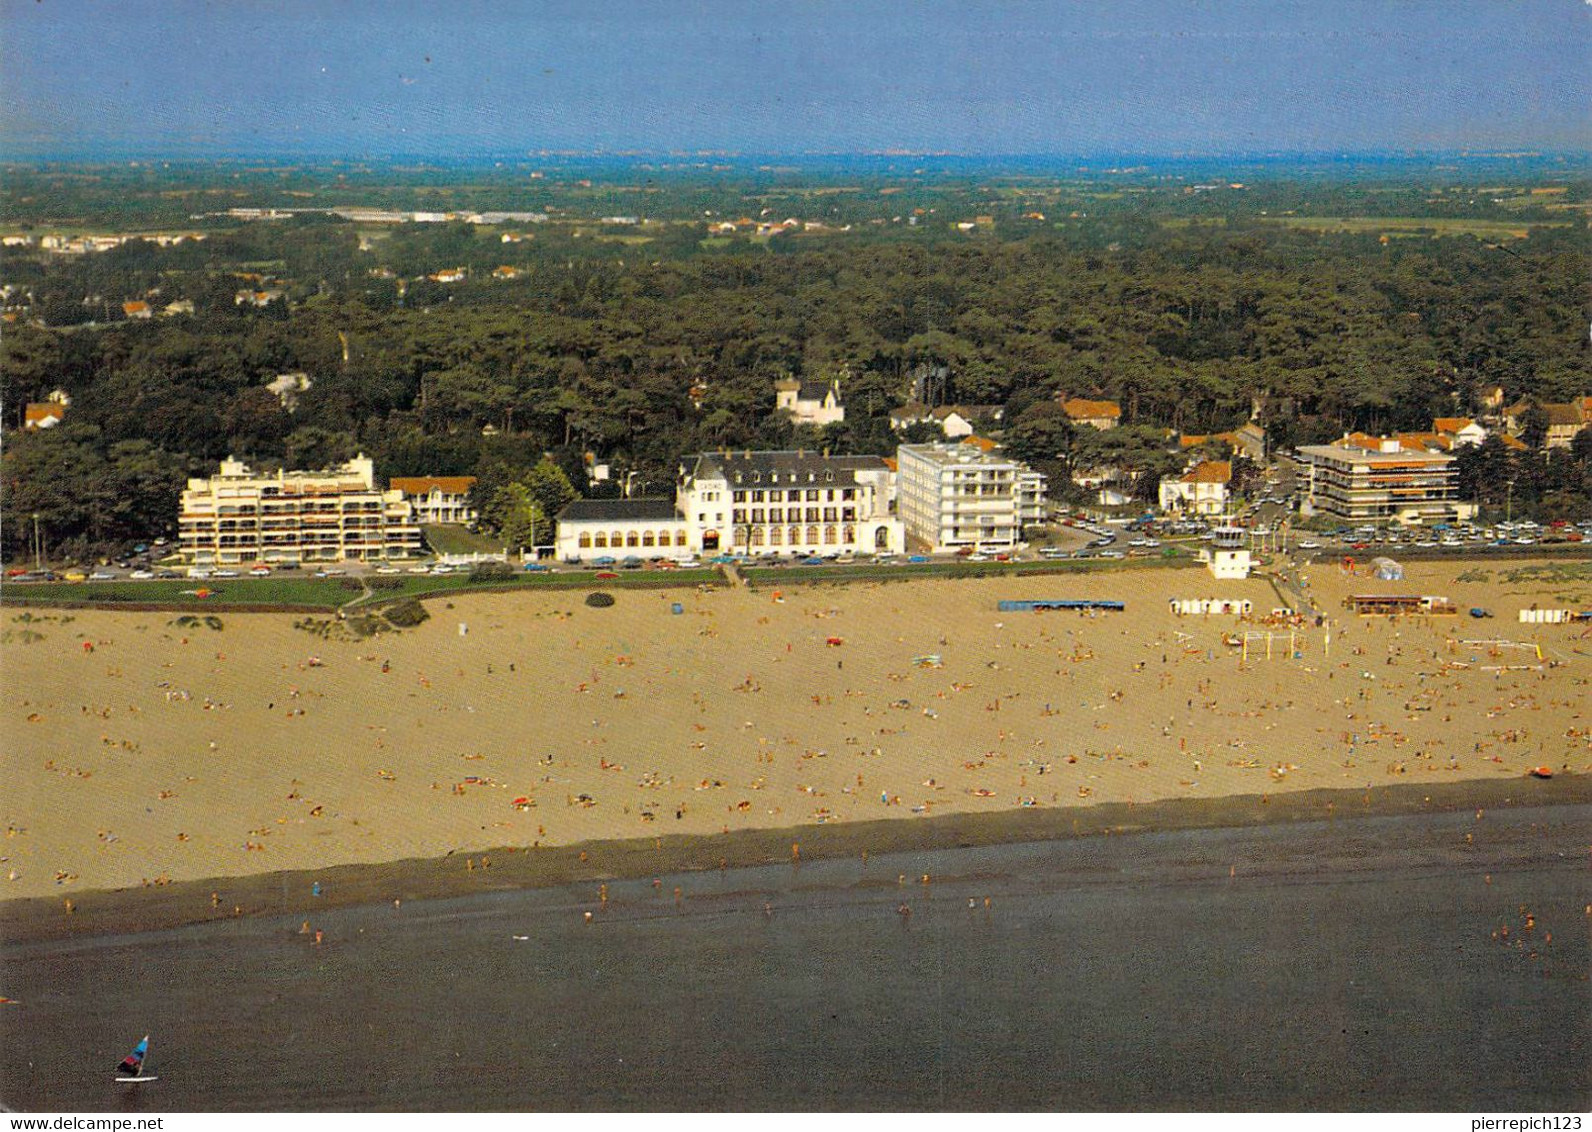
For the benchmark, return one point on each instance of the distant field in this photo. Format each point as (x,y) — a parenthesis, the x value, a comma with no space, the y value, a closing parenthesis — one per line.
(1414,225)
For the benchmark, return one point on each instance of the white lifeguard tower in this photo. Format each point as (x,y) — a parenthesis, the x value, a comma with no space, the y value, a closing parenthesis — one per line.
(1228,555)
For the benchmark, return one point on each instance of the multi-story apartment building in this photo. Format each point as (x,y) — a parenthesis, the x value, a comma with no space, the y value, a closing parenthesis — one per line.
(238,516)
(952,496)
(1375,479)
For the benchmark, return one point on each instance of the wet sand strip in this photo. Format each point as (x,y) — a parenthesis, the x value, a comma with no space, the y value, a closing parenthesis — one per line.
(462,872)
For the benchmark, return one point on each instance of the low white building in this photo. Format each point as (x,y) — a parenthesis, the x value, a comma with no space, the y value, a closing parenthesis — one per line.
(1228,555)
(952,496)
(589,529)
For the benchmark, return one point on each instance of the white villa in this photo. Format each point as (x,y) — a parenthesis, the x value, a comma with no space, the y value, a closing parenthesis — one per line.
(437,499)
(1201,490)
(810,402)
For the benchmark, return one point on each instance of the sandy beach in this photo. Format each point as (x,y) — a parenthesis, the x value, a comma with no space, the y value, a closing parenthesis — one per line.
(145,753)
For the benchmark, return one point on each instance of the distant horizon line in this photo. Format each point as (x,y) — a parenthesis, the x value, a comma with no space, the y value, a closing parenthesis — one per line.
(518,156)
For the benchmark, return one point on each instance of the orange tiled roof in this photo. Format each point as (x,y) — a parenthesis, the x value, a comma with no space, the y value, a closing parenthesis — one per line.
(421,485)
(39,412)
(1360,440)
(1450,424)
(1411,441)
(1210,471)
(982,443)
(1079,409)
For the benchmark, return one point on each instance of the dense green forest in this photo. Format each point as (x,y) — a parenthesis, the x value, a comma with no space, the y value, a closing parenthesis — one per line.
(640,341)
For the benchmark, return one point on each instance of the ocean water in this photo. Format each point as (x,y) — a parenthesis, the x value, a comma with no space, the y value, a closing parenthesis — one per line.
(1344,966)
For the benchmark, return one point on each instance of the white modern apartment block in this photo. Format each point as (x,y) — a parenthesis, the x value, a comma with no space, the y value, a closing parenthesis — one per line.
(787,503)
(1375,479)
(238,516)
(952,496)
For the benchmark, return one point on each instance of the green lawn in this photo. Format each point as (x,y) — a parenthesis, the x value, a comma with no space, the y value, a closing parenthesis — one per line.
(312,593)
(795,575)
(454,539)
(303,592)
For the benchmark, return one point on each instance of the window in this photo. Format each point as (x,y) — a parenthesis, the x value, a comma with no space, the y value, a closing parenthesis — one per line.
(829,536)
(647,538)
(812,536)
(738,515)
(740,496)
(795,534)
(585,539)
(847,494)
(793,497)
(850,534)
(757,514)
(812,496)
(679,538)
(829,514)
(757,496)
(757,537)
(617,538)
(599,539)
(848,513)
(776,514)
(775,536)
(812,514)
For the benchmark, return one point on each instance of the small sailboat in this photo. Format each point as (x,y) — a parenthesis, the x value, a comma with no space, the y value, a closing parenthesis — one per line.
(131,1070)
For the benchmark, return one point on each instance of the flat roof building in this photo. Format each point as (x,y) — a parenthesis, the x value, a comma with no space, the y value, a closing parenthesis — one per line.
(1355,481)
(951,496)
(239,516)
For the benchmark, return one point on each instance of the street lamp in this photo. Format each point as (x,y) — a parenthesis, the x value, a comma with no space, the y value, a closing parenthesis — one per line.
(38,547)
(1509,502)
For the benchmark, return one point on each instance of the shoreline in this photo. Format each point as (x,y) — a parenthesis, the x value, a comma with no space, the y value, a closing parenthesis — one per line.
(144,909)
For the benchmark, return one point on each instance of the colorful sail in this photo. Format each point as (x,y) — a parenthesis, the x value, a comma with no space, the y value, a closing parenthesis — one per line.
(133,1064)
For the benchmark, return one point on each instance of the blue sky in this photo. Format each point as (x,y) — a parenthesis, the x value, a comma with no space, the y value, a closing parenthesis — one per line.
(361,77)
